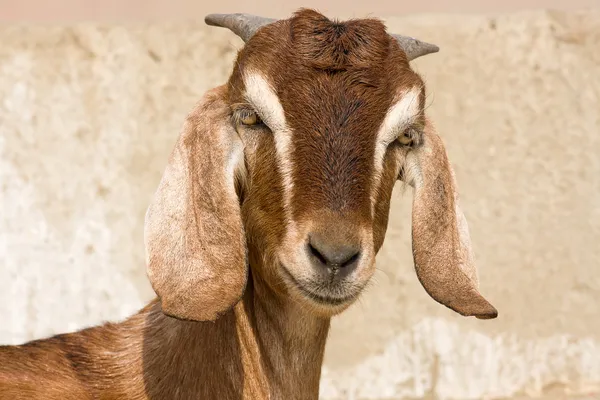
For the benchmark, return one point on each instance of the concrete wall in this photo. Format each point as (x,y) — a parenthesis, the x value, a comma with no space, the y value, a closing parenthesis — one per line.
(90,112)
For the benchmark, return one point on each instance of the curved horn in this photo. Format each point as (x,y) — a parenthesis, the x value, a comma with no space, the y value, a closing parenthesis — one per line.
(415,48)
(243,25)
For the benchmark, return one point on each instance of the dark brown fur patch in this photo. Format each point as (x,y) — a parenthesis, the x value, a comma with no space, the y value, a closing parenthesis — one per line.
(328,45)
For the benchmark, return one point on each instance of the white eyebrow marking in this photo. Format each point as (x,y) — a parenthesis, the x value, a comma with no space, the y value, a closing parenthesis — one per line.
(261,95)
(398,118)
(399,115)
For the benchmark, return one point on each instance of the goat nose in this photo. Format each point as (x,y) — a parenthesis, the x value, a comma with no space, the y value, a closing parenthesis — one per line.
(333,254)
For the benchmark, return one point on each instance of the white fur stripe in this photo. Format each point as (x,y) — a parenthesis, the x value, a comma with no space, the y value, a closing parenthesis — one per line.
(262,96)
(398,117)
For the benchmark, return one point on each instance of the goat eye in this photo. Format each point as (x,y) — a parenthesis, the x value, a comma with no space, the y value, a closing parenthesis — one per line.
(405,138)
(410,137)
(250,118)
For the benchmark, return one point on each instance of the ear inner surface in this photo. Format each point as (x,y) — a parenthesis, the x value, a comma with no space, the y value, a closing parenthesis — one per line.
(195,241)
(442,251)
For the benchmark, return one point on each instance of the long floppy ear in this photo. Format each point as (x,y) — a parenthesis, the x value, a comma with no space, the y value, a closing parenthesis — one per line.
(195,241)
(442,251)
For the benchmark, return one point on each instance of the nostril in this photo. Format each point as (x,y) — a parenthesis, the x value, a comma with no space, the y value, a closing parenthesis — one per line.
(332,254)
(316,253)
(351,260)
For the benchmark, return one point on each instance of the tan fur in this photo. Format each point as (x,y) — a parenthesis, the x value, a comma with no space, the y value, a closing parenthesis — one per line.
(244,302)
(441,244)
(193,231)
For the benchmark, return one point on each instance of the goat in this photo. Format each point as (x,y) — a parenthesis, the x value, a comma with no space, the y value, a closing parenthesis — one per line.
(267,221)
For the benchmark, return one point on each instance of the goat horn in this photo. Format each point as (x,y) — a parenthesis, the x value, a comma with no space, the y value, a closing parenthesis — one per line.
(243,25)
(415,48)
(246,25)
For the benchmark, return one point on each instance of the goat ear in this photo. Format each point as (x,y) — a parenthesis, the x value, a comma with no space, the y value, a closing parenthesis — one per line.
(195,241)
(441,244)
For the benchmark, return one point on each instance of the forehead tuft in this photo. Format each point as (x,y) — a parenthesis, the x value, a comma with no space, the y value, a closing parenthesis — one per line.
(332,45)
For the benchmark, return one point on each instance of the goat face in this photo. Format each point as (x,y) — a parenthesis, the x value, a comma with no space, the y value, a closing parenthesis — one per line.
(327,118)
(318,121)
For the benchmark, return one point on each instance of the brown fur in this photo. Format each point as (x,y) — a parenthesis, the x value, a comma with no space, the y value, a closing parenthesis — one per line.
(249,353)
(336,81)
(218,230)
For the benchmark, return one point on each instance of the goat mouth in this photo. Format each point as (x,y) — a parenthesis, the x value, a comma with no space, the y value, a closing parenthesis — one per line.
(316,297)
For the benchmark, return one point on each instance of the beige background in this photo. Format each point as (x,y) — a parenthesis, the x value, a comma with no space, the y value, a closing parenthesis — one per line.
(119,10)
(90,111)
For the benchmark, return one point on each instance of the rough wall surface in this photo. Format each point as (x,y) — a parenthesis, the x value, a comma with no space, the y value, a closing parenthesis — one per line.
(89,114)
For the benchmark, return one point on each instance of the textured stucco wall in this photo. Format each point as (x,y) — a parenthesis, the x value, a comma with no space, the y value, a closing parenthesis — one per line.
(89,114)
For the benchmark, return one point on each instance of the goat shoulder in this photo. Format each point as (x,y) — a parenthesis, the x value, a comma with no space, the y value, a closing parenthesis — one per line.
(147,357)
